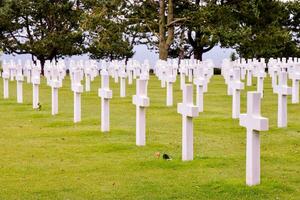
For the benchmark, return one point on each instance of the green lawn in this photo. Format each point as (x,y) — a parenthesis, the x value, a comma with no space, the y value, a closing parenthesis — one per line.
(49,157)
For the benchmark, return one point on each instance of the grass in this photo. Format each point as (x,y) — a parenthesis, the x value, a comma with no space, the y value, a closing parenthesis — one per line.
(49,157)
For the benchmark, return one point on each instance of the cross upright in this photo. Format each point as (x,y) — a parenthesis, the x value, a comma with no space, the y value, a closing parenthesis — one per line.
(5,76)
(106,94)
(55,84)
(295,76)
(19,79)
(123,76)
(77,89)
(170,79)
(229,78)
(261,74)
(88,77)
(254,123)
(283,91)
(199,82)
(249,75)
(141,101)
(28,70)
(35,80)
(236,85)
(188,112)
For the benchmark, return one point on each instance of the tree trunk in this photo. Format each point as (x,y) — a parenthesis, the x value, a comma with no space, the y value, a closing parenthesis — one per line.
(198,53)
(166,31)
(42,62)
(163,51)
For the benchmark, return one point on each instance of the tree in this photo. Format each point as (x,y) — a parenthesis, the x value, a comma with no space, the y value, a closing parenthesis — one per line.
(293,23)
(105,29)
(180,28)
(45,29)
(153,23)
(262,30)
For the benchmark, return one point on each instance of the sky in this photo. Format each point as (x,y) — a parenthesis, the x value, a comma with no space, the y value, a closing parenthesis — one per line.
(217,54)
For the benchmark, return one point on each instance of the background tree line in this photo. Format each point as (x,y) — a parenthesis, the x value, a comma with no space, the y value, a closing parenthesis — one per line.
(108,29)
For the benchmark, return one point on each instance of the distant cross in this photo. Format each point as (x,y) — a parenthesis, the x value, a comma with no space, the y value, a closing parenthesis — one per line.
(295,76)
(77,89)
(170,80)
(261,74)
(249,76)
(236,87)
(5,76)
(55,84)
(35,80)
(123,76)
(19,79)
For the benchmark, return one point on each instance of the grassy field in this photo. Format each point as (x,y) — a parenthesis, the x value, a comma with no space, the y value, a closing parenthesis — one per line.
(49,157)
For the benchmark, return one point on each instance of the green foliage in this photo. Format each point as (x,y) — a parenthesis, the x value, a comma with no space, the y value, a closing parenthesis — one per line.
(45,29)
(233,56)
(293,24)
(105,27)
(262,31)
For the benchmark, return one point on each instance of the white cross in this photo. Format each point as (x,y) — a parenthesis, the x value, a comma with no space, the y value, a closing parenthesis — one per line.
(105,93)
(77,89)
(182,71)
(19,79)
(55,84)
(254,123)
(236,86)
(190,72)
(170,80)
(88,75)
(188,112)
(295,76)
(229,79)
(123,76)
(283,91)
(5,76)
(199,81)
(249,75)
(261,74)
(141,101)
(28,70)
(35,80)
(129,73)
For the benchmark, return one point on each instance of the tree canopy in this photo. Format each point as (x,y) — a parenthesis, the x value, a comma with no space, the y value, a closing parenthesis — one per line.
(108,29)
(45,29)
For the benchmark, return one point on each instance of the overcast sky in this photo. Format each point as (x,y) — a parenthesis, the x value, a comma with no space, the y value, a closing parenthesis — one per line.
(217,54)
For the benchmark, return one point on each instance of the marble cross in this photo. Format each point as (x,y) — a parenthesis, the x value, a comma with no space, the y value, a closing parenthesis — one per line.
(249,75)
(283,91)
(188,112)
(236,86)
(5,76)
(261,74)
(123,75)
(77,88)
(19,79)
(295,76)
(55,84)
(141,101)
(106,94)
(254,123)
(35,80)
(170,80)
